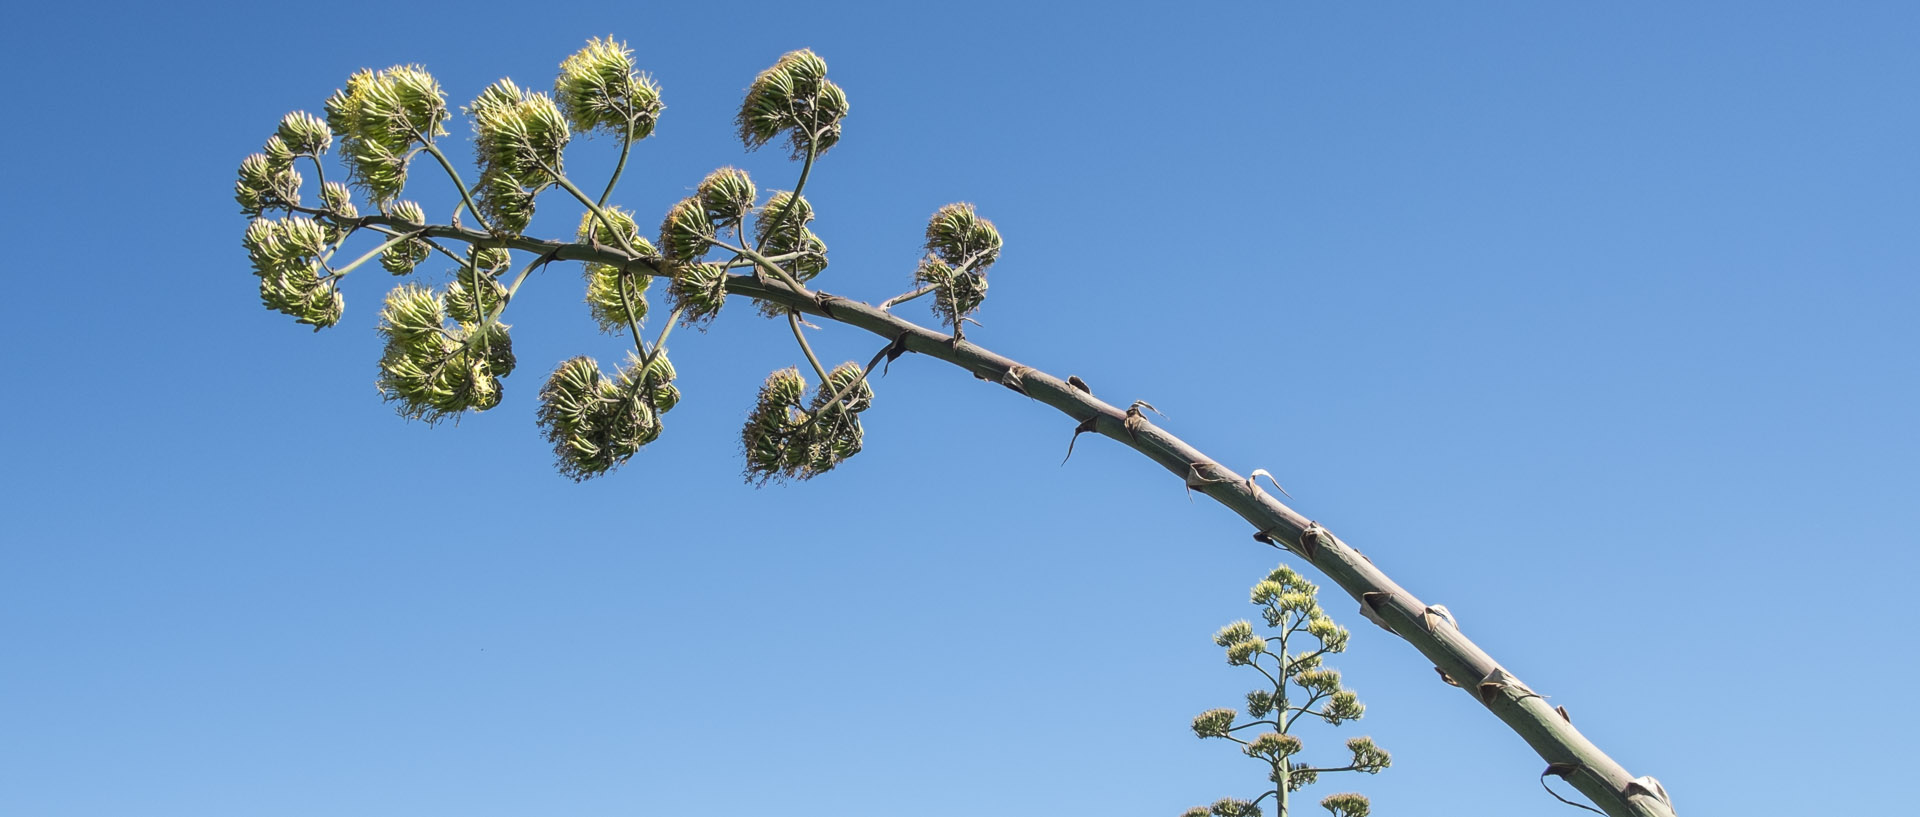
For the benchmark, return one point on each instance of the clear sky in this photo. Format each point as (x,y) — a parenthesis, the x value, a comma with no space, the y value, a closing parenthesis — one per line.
(1594,322)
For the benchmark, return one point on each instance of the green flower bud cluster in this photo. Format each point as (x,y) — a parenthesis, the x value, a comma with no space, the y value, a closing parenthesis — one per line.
(1213,723)
(686,234)
(286,257)
(785,438)
(616,296)
(1226,807)
(1318,681)
(338,200)
(698,291)
(1344,706)
(432,370)
(1346,805)
(304,134)
(1272,746)
(403,257)
(268,179)
(379,118)
(1367,757)
(794,97)
(961,246)
(266,183)
(726,196)
(519,137)
(781,227)
(595,422)
(598,89)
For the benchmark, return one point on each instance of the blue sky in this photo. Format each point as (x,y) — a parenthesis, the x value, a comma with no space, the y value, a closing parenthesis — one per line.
(1592,322)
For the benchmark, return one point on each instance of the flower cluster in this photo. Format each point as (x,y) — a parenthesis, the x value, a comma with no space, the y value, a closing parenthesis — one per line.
(960,247)
(788,437)
(433,370)
(286,258)
(519,138)
(379,118)
(596,422)
(598,89)
(616,294)
(796,98)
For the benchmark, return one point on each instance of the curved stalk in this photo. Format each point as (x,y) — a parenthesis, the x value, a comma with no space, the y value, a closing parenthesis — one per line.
(793,320)
(371,254)
(1550,735)
(626,147)
(465,197)
(806,169)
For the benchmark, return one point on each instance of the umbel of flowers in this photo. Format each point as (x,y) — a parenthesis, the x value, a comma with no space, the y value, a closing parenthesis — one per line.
(1295,685)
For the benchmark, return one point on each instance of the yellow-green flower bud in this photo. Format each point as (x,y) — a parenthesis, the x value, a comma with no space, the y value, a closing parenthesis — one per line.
(379,118)
(960,237)
(1213,723)
(616,296)
(305,134)
(727,195)
(1367,757)
(1272,746)
(794,97)
(1243,652)
(1345,706)
(599,90)
(698,291)
(519,140)
(1346,805)
(1234,632)
(686,234)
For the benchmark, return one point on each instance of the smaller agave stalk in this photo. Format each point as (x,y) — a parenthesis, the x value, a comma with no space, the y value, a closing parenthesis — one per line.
(1298,685)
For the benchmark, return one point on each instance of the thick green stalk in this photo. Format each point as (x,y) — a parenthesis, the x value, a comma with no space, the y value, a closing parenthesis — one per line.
(1551,735)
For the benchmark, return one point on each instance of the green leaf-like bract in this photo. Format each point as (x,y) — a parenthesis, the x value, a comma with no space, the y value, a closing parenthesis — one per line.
(379,118)
(795,97)
(595,422)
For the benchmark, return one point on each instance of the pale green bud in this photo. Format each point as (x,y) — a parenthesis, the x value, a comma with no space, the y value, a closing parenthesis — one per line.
(599,90)
(960,237)
(1345,706)
(305,134)
(1346,805)
(1368,757)
(793,97)
(727,195)
(1213,723)
(1272,746)
(1234,632)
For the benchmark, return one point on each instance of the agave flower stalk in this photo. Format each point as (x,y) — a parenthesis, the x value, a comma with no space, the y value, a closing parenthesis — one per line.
(447,352)
(1289,605)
